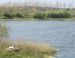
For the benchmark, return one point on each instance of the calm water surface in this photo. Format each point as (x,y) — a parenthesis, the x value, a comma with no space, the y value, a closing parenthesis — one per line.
(58,33)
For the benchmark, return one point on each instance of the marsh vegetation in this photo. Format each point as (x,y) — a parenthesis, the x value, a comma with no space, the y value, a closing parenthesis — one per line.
(27,51)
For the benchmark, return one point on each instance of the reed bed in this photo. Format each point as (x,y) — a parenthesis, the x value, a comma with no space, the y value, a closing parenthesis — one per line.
(27,50)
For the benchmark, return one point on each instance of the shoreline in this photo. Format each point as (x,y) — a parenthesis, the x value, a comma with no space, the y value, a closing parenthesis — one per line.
(32,19)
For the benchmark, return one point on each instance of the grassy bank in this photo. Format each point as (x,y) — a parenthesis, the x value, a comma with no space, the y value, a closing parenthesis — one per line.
(27,51)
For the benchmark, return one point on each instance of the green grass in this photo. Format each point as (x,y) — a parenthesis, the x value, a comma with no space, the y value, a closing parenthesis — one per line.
(3,29)
(27,51)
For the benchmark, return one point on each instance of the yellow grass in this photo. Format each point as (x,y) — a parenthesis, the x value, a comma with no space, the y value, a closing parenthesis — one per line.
(28,50)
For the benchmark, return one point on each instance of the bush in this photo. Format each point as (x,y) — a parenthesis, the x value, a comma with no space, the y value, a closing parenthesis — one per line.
(7,15)
(66,14)
(62,14)
(39,15)
(18,15)
(11,15)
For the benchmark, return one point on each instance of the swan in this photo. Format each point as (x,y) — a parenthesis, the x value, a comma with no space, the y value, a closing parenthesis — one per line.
(11,47)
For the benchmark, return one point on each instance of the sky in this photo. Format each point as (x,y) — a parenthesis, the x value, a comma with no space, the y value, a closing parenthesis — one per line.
(68,3)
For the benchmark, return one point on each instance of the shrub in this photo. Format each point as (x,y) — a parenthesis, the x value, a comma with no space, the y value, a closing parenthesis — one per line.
(7,15)
(66,14)
(18,15)
(11,15)
(39,15)
(62,14)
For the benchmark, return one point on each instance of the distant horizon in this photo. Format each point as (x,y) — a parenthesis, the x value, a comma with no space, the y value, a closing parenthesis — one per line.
(53,3)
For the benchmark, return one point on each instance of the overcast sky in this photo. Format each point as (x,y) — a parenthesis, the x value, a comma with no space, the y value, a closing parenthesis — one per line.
(67,2)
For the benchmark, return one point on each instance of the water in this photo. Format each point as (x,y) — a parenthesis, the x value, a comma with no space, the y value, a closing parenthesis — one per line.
(58,33)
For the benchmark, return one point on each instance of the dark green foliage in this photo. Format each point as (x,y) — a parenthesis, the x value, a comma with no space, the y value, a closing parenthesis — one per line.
(39,15)
(59,14)
(18,15)
(12,15)
(7,15)
(66,14)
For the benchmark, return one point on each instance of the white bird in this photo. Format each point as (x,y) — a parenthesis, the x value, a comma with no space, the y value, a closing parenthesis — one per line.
(11,47)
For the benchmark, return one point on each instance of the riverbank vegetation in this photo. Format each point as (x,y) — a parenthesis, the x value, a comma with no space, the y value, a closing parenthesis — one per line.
(33,13)
(3,30)
(27,51)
